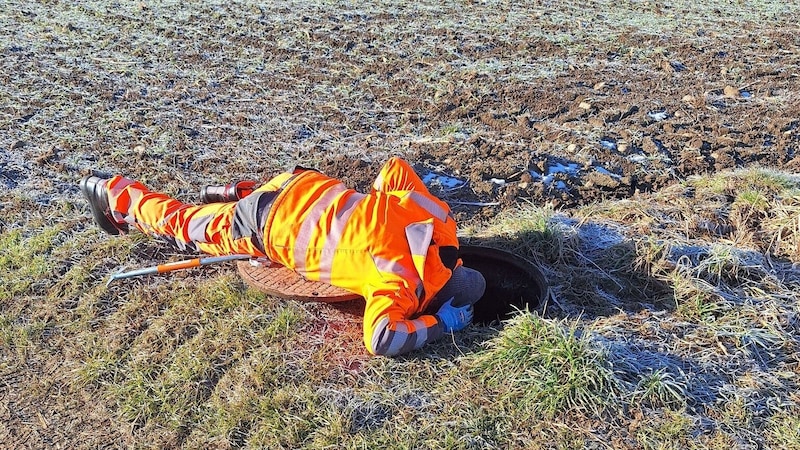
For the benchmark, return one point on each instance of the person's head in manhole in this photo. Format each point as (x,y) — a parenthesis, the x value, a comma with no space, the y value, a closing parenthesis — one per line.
(395,246)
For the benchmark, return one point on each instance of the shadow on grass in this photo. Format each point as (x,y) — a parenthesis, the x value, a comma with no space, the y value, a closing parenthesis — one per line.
(591,271)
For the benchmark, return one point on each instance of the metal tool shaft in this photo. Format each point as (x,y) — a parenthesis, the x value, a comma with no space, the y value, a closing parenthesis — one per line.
(176,265)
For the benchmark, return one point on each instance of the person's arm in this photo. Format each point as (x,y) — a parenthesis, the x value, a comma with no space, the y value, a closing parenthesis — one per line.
(389,331)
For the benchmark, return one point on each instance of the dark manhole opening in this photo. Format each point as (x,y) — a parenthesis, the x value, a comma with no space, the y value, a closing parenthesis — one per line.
(512,283)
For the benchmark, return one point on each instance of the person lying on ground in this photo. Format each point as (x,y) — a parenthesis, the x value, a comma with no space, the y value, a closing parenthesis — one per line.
(395,246)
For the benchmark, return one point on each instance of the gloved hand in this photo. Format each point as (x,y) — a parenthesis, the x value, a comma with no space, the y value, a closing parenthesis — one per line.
(454,318)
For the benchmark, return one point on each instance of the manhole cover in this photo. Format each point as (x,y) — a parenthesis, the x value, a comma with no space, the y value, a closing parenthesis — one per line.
(282,282)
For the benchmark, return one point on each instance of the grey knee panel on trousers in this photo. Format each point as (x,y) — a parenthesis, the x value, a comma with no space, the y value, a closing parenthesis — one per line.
(250,215)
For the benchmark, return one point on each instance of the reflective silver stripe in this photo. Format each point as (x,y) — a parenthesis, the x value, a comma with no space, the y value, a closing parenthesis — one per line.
(197,228)
(335,234)
(395,344)
(400,340)
(422,333)
(310,223)
(388,342)
(381,335)
(389,266)
(174,239)
(408,339)
(120,186)
(419,236)
(429,205)
(166,218)
(135,195)
(410,275)
(378,183)
(401,328)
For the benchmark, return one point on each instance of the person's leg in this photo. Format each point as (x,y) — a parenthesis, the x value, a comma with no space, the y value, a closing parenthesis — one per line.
(207,228)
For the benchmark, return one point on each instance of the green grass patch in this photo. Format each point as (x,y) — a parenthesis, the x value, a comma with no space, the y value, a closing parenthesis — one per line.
(547,368)
(26,259)
(659,388)
(783,431)
(670,430)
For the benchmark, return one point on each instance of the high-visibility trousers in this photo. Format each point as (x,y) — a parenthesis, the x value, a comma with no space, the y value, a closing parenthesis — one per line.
(391,246)
(398,199)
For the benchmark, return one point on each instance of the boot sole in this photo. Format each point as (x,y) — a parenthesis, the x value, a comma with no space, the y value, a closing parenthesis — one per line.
(100,209)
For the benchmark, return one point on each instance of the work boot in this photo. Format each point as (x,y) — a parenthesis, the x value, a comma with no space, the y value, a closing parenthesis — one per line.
(227,193)
(94,189)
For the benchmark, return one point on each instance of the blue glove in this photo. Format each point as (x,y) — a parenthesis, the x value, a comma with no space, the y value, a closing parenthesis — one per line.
(454,318)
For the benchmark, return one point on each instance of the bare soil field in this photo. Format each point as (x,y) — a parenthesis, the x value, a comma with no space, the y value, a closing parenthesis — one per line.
(583,109)
(564,104)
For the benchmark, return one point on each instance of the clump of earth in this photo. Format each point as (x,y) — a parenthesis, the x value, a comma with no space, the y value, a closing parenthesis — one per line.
(603,133)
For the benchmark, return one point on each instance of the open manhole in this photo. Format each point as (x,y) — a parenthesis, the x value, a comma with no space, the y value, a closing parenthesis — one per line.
(512,283)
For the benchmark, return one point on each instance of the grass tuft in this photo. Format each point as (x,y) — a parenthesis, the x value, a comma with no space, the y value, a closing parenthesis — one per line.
(25,258)
(659,388)
(546,368)
(783,431)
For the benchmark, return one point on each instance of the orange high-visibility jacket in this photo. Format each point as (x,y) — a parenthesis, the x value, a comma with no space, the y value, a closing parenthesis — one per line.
(384,245)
